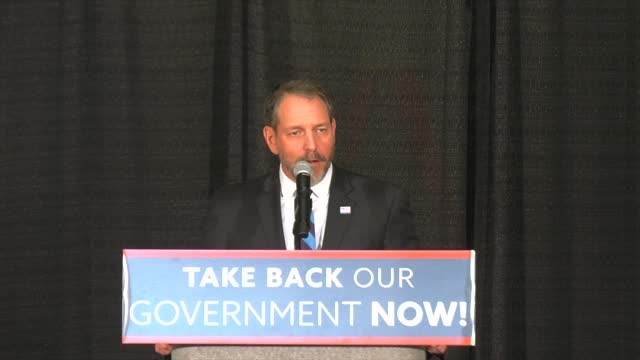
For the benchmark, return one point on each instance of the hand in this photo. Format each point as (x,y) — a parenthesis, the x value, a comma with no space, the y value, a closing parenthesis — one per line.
(437,349)
(164,349)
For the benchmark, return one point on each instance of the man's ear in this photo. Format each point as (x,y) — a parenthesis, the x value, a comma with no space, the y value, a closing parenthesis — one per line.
(269,134)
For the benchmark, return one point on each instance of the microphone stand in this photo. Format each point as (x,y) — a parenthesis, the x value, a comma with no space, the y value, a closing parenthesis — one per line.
(303,207)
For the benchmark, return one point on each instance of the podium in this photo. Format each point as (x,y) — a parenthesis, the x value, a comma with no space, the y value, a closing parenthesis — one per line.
(343,305)
(298,353)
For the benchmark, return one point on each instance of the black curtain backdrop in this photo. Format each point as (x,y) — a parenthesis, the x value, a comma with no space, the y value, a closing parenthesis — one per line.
(514,125)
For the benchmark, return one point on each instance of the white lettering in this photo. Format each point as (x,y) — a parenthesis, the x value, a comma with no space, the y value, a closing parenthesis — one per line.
(248,277)
(332,277)
(378,311)
(190,317)
(274,277)
(405,275)
(228,277)
(209,312)
(351,305)
(294,278)
(173,306)
(433,317)
(322,309)
(308,277)
(145,314)
(192,270)
(368,276)
(209,278)
(230,313)
(250,309)
(302,313)
(402,313)
(282,313)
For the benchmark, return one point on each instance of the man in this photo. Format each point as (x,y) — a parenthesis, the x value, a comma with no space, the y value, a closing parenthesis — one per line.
(351,212)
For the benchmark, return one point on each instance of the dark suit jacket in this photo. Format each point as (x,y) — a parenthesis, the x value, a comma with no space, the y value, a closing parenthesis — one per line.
(247,215)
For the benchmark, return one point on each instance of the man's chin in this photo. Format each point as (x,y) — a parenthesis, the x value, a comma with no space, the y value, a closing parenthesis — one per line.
(319,171)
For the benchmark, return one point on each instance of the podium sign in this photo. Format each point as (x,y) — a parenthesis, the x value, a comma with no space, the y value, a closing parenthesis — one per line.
(298,297)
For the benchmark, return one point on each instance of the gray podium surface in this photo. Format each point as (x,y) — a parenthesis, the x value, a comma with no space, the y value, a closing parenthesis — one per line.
(298,353)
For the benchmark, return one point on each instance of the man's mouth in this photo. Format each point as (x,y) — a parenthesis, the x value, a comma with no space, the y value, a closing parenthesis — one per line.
(314,158)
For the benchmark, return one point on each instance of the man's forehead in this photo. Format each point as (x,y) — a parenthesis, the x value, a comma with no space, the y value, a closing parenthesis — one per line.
(303,122)
(298,110)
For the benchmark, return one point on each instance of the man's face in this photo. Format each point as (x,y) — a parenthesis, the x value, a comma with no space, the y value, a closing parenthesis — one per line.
(305,132)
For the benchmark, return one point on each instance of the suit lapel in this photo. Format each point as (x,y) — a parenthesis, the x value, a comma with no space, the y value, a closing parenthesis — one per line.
(337,223)
(268,204)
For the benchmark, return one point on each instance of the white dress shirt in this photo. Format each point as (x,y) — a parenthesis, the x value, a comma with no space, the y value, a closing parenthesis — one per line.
(320,203)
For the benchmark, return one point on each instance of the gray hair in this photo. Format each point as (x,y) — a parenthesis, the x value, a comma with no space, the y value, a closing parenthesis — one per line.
(306,88)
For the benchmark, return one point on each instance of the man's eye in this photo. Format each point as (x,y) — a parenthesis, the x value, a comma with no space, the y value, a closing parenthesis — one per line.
(295,133)
(322,130)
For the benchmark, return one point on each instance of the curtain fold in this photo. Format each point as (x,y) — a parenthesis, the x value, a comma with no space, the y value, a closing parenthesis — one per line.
(557,200)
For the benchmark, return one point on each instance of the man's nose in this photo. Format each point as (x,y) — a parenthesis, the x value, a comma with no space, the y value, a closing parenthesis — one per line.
(310,142)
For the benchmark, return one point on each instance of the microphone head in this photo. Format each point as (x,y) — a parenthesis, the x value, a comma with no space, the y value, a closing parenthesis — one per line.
(302,167)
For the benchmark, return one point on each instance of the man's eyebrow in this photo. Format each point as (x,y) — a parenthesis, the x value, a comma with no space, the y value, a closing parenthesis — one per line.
(290,127)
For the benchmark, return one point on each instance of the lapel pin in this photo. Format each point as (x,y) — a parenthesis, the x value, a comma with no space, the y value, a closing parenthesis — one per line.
(345,209)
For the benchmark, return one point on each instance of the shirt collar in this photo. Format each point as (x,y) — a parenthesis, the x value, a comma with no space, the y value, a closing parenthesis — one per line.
(321,189)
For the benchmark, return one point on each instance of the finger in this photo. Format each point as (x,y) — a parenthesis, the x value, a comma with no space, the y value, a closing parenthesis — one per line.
(437,349)
(163,349)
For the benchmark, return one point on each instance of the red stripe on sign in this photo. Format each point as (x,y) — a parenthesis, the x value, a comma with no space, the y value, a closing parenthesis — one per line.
(300,254)
(302,340)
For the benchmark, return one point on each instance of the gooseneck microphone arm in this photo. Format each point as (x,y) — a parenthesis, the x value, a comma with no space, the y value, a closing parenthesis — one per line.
(302,171)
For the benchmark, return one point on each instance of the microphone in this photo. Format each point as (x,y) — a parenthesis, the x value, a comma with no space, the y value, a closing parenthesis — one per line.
(302,171)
